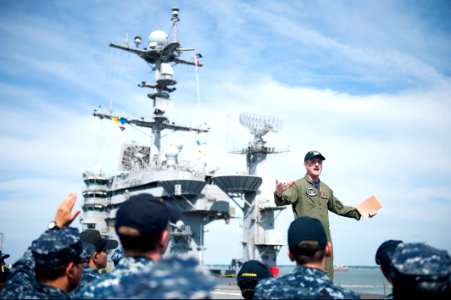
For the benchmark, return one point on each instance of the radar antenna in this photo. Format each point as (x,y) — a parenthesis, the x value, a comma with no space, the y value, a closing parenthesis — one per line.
(259,125)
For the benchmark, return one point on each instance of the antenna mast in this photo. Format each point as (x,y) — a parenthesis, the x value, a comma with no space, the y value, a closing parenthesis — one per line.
(259,125)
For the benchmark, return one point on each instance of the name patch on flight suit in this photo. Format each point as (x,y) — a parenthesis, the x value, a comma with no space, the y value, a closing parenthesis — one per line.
(323,195)
(311,192)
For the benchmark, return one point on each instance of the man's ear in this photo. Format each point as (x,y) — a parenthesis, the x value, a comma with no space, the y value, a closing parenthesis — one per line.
(94,256)
(70,269)
(291,256)
(164,239)
(328,250)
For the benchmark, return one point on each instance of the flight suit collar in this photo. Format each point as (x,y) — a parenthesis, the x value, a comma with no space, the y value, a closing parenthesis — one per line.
(307,178)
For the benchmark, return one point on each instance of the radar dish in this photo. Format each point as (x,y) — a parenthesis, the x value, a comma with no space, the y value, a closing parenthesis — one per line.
(158,38)
(259,125)
(134,157)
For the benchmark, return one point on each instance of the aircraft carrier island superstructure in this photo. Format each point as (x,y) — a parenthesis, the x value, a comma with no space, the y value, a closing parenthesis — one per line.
(201,196)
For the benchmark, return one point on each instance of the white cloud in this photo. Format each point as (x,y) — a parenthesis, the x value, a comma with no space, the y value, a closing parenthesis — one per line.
(392,143)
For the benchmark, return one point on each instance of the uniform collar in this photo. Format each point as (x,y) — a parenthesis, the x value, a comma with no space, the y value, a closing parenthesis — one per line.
(310,181)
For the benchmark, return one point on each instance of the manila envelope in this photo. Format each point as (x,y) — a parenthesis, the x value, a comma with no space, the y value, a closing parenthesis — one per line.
(367,205)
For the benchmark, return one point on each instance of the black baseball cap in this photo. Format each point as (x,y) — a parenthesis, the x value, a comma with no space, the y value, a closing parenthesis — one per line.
(306,229)
(3,256)
(93,237)
(384,253)
(251,273)
(146,213)
(312,154)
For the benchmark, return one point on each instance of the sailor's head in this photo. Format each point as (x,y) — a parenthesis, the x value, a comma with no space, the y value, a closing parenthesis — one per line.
(420,268)
(307,240)
(142,220)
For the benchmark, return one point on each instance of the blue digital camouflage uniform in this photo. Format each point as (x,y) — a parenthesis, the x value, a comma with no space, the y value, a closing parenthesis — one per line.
(105,285)
(420,268)
(21,281)
(89,275)
(52,248)
(173,277)
(309,200)
(118,254)
(302,283)
(49,292)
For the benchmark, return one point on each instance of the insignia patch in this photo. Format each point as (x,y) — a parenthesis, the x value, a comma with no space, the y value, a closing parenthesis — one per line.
(311,192)
(323,195)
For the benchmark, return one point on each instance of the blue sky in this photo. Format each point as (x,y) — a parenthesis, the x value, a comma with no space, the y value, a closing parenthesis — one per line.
(366,83)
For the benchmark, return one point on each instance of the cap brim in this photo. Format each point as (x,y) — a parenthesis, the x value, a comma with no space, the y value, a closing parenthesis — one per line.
(173,211)
(111,244)
(4,256)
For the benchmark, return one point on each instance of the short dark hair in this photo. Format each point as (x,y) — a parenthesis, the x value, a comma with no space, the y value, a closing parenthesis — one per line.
(141,243)
(44,272)
(308,252)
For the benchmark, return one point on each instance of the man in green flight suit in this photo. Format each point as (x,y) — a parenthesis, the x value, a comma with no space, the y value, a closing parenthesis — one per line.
(311,197)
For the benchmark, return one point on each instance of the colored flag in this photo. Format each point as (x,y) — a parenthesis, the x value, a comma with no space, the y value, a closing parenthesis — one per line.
(200,139)
(122,128)
(115,120)
(197,60)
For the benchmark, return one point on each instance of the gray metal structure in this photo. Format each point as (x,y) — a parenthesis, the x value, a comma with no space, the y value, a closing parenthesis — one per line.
(261,241)
(201,196)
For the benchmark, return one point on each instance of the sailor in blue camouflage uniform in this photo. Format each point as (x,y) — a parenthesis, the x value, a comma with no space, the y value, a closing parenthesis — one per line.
(172,277)
(249,275)
(142,225)
(384,257)
(58,250)
(53,250)
(420,271)
(308,246)
(4,270)
(98,259)
(89,274)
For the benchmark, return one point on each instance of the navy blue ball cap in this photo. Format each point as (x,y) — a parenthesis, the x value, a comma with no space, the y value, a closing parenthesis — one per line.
(306,229)
(57,247)
(384,253)
(146,213)
(251,273)
(94,237)
(312,154)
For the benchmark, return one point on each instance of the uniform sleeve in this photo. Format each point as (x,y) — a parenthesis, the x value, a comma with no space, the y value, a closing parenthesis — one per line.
(21,280)
(338,208)
(288,197)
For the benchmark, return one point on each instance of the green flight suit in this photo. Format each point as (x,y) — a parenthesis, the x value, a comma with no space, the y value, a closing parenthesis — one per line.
(307,200)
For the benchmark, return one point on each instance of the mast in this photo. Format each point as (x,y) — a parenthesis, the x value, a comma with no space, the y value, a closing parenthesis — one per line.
(252,194)
(159,54)
(151,169)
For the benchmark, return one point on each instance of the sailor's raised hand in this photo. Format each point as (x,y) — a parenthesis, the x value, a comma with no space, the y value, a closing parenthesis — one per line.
(64,215)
